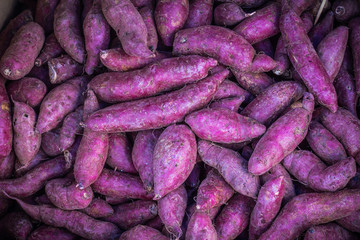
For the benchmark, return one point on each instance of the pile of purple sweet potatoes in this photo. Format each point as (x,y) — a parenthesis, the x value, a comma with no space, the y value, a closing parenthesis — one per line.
(180,119)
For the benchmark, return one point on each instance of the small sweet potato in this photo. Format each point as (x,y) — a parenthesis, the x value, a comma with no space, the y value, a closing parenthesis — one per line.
(200,13)
(228,89)
(25,46)
(345,9)
(330,231)
(200,227)
(51,233)
(119,155)
(6,133)
(231,166)
(98,208)
(67,29)
(155,112)
(44,14)
(147,13)
(63,68)
(228,14)
(129,26)
(320,30)
(310,209)
(27,139)
(213,192)
(120,185)
(222,44)
(282,137)
(50,50)
(354,25)
(15,225)
(351,222)
(234,217)
(233,103)
(171,210)
(223,126)
(176,166)
(255,83)
(142,232)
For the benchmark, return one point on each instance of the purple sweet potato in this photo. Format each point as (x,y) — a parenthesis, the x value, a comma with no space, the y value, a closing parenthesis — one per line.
(151,80)
(76,222)
(130,28)
(7,166)
(226,46)
(200,13)
(155,223)
(67,29)
(354,25)
(36,178)
(324,144)
(213,192)
(12,27)
(232,166)
(91,104)
(305,59)
(264,23)
(345,9)
(50,50)
(234,217)
(270,103)
(90,158)
(15,225)
(63,68)
(265,47)
(310,171)
(51,233)
(200,227)
(28,90)
(27,139)
(120,185)
(193,180)
(171,210)
(155,112)
(60,101)
(64,194)
(142,156)
(119,156)
(351,222)
(97,36)
(43,199)
(331,50)
(310,209)
(147,14)
(282,137)
(44,14)
(267,206)
(228,14)
(223,126)
(345,127)
(170,17)
(330,231)
(6,133)
(255,83)
(173,166)
(228,89)
(232,103)
(50,143)
(262,63)
(142,232)
(71,127)
(320,30)
(25,46)
(98,208)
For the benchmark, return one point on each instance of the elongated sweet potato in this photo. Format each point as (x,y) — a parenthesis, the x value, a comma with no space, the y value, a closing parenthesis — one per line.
(213,192)
(330,231)
(231,166)
(171,210)
(15,225)
(129,26)
(309,209)
(67,29)
(160,111)
(119,156)
(324,144)
(223,126)
(51,233)
(234,217)
(345,9)
(320,30)
(282,137)
(74,221)
(6,133)
(50,50)
(170,165)
(263,24)
(142,232)
(98,208)
(63,68)
(226,46)
(120,185)
(97,36)
(151,80)
(25,46)
(305,59)
(147,13)
(228,14)
(269,104)
(200,227)
(354,25)
(255,83)
(27,140)
(200,13)
(44,14)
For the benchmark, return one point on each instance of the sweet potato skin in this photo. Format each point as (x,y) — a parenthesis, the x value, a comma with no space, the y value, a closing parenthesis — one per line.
(275,144)
(262,63)
(142,232)
(63,68)
(354,25)
(130,28)
(25,46)
(228,89)
(255,83)
(50,143)
(67,29)
(231,166)
(228,14)
(223,126)
(7,166)
(351,222)
(44,14)
(71,127)
(320,30)
(119,155)
(151,80)
(50,50)
(160,111)
(147,13)
(51,233)
(170,165)
(329,231)
(224,45)
(98,208)
(233,103)
(6,134)
(308,209)
(200,227)
(200,13)
(91,104)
